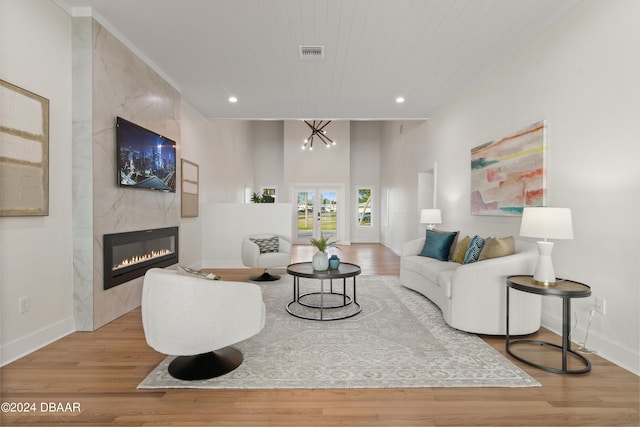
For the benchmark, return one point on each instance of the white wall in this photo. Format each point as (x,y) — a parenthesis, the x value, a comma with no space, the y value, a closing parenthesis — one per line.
(582,77)
(36,252)
(225,224)
(193,137)
(268,157)
(226,168)
(328,166)
(366,137)
(223,150)
(404,153)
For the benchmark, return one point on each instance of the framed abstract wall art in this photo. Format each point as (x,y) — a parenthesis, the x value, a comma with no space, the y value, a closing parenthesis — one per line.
(24,152)
(509,174)
(189,189)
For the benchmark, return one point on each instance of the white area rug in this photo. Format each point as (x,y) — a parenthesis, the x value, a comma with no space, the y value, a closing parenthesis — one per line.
(398,340)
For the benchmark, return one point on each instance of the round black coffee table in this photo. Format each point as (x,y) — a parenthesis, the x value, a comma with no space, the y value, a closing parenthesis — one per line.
(305,304)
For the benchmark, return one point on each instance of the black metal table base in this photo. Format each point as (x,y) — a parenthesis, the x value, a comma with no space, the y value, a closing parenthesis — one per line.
(565,348)
(564,370)
(298,300)
(346,300)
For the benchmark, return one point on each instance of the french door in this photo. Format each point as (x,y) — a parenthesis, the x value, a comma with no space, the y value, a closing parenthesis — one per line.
(317,213)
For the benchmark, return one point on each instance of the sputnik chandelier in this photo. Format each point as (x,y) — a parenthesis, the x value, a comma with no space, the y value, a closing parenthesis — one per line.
(317,129)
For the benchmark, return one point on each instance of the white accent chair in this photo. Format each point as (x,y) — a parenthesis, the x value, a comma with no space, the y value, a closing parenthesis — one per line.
(253,258)
(198,319)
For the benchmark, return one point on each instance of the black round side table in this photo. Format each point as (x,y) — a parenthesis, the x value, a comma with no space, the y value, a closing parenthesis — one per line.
(565,289)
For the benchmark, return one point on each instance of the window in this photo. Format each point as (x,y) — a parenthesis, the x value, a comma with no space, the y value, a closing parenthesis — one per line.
(364,206)
(269,195)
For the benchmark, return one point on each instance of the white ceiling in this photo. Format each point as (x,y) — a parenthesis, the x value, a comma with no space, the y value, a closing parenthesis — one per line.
(427,51)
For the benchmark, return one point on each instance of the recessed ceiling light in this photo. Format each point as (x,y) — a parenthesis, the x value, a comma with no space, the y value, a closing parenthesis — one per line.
(400,100)
(233,99)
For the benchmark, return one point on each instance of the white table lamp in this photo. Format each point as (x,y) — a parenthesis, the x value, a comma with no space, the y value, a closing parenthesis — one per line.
(430,217)
(547,223)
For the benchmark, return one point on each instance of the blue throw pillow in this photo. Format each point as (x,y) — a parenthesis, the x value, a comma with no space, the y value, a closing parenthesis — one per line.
(437,245)
(473,250)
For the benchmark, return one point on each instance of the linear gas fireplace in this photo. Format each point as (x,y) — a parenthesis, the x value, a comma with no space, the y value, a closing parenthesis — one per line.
(130,255)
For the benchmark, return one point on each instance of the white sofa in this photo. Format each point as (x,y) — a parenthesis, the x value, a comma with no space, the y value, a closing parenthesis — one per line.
(472,297)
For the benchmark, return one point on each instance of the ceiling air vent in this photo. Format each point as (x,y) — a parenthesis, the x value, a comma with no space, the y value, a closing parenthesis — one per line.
(311,52)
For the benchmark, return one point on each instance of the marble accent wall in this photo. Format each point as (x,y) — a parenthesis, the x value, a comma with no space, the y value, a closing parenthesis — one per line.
(123,85)
(82,176)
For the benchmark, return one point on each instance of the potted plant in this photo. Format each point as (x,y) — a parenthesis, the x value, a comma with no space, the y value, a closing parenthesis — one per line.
(265,198)
(320,260)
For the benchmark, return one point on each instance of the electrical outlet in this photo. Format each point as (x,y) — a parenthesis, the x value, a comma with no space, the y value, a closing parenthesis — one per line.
(23,304)
(601,305)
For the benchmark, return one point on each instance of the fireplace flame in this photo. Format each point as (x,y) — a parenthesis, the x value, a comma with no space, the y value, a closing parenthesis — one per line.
(142,258)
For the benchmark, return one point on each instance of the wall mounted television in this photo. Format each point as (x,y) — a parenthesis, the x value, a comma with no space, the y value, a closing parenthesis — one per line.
(145,159)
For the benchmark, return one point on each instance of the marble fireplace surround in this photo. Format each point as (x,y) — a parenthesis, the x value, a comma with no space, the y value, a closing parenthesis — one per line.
(109,80)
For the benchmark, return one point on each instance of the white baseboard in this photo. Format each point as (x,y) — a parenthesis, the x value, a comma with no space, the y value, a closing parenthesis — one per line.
(395,251)
(611,351)
(14,350)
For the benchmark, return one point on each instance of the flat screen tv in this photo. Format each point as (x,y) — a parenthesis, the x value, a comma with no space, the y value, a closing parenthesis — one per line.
(145,158)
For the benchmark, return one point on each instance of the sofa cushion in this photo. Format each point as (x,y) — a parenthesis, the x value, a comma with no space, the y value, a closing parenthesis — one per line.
(474,249)
(415,262)
(461,250)
(437,245)
(431,270)
(496,247)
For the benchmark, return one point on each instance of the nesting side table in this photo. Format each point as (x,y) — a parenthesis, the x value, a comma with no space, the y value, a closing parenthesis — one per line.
(565,289)
(305,270)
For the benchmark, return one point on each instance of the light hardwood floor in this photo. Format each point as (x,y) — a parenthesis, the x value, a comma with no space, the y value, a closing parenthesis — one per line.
(100,371)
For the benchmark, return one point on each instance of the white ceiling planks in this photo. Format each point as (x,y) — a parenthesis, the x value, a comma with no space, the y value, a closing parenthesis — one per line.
(375,50)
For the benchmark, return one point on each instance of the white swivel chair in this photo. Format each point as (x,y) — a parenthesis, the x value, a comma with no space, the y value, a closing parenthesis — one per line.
(197,319)
(266,251)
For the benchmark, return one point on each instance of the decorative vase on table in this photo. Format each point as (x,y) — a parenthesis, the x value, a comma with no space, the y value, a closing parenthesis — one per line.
(320,261)
(334,262)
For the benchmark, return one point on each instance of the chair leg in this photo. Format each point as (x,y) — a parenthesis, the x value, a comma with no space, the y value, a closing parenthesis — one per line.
(265,277)
(207,365)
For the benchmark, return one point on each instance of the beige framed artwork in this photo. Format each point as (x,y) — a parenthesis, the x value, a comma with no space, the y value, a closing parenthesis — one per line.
(24,152)
(189,189)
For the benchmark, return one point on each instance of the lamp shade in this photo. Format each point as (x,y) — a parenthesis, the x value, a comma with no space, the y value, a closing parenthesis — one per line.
(430,216)
(547,223)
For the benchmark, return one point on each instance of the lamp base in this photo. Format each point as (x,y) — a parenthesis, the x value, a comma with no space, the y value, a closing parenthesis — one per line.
(544,274)
(544,283)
